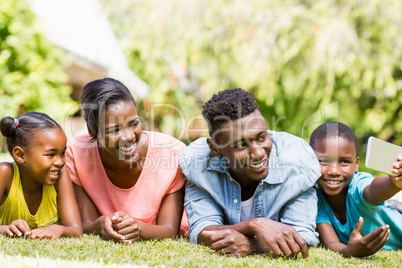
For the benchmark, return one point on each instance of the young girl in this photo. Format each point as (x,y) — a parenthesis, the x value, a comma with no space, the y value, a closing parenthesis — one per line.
(36,193)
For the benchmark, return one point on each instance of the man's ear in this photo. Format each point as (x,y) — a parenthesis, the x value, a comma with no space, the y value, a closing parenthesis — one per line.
(19,154)
(357,164)
(213,147)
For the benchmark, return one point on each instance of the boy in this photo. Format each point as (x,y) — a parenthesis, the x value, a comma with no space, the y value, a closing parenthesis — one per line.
(249,189)
(347,196)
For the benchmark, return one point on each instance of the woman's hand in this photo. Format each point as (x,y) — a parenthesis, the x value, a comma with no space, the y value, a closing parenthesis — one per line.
(126,226)
(18,227)
(105,229)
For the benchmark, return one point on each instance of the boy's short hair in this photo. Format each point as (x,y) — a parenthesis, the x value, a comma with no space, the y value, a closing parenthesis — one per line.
(228,105)
(334,130)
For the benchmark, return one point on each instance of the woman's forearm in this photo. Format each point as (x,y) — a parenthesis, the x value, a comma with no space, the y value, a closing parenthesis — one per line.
(148,231)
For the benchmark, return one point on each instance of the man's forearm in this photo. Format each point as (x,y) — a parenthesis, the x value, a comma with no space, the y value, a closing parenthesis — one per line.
(244,227)
(254,245)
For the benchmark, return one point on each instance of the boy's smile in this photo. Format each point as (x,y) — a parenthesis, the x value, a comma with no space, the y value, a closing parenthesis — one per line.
(338,161)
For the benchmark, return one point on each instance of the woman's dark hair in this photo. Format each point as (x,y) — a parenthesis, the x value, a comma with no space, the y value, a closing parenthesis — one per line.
(97,96)
(22,133)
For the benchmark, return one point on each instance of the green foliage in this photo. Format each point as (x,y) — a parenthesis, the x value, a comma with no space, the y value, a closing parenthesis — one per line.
(31,68)
(92,251)
(306,61)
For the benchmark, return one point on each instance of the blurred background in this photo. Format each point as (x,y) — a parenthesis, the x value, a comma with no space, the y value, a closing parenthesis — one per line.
(307,62)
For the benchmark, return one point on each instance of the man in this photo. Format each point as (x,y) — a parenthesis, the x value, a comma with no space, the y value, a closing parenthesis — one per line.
(248,189)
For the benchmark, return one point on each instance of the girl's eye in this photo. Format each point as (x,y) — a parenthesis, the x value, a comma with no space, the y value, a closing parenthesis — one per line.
(49,154)
(345,163)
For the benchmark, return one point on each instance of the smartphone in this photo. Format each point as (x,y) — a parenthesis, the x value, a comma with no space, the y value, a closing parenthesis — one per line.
(381,155)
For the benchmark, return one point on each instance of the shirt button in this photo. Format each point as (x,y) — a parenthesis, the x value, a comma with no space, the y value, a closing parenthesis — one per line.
(235,201)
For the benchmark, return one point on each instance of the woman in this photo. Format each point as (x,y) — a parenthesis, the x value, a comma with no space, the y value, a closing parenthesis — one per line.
(127,181)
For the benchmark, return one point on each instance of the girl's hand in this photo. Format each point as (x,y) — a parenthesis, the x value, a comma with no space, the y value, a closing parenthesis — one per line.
(397,170)
(48,232)
(18,227)
(126,226)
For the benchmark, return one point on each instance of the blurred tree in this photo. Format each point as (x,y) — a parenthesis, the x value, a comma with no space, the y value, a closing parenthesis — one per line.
(31,68)
(306,61)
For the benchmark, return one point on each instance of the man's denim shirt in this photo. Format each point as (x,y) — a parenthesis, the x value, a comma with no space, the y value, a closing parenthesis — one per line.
(286,195)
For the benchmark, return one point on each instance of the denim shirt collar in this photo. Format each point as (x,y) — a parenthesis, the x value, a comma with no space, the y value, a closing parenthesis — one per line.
(218,163)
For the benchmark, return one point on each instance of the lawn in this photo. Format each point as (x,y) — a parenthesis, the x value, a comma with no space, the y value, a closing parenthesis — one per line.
(91,251)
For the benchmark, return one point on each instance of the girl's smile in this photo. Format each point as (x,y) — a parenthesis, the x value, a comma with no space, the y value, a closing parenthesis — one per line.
(45,157)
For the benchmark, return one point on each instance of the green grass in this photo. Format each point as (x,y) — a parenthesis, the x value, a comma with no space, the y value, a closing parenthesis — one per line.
(92,251)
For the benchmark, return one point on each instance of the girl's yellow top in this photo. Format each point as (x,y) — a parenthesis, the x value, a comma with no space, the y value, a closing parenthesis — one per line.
(15,207)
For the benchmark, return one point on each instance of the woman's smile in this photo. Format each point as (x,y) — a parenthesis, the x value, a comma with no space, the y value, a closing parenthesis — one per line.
(128,149)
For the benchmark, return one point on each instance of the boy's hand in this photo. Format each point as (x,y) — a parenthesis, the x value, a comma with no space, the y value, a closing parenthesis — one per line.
(18,227)
(361,246)
(397,170)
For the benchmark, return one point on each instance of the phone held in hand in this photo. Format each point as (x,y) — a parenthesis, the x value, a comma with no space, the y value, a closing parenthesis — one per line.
(381,155)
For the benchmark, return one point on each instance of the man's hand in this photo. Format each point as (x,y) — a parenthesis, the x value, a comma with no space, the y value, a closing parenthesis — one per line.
(229,242)
(280,238)
(361,246)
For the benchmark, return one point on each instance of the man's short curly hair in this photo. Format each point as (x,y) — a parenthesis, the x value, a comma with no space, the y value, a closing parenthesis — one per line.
(334,130)
(228,105)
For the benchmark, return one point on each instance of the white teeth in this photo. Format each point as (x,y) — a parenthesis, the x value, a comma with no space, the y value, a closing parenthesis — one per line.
(127,149)
(257,165)
(333,182)
(53,172)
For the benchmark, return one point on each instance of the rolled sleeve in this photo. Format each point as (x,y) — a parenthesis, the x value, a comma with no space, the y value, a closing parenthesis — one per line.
(301,213)
(202,210)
